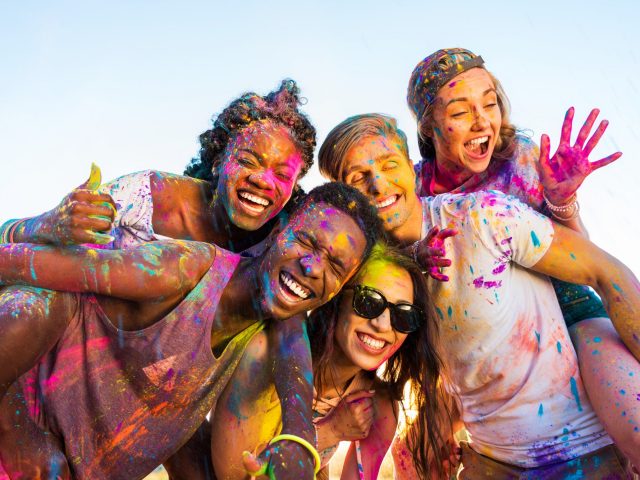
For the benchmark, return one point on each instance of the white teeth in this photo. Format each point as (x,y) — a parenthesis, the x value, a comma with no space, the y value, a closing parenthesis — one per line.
(370,341)
(254,198)
(387,202)
(294,286)
(477,141)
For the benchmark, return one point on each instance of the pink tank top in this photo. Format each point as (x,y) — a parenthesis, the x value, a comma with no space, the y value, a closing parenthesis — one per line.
(121,402)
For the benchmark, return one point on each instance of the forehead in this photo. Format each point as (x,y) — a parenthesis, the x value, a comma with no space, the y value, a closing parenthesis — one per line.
(267,138)
(387,277)
(373,148)
(472,82)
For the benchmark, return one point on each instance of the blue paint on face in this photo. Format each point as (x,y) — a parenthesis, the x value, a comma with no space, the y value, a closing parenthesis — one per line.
(617,287)
(597,339)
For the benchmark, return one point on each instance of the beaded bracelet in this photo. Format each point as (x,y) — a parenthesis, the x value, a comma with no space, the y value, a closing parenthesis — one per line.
(304,443)
(573,206)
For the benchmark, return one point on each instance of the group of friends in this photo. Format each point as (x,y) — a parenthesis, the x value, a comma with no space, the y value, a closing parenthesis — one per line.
(226,324)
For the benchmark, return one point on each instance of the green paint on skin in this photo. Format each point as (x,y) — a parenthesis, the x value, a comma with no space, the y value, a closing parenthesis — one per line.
(572,256)
(145,269)
(440,314)
(534,239)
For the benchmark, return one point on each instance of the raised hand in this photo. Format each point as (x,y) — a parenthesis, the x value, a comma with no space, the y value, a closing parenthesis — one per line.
(81,216)
(563,173)
(430,251)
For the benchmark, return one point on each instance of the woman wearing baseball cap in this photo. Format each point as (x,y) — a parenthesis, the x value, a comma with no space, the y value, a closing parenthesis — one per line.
(468,143)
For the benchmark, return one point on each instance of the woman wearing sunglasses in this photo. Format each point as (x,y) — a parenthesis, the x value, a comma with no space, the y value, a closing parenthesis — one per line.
(384,315)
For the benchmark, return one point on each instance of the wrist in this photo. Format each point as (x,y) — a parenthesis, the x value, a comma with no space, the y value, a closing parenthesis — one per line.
(565,211)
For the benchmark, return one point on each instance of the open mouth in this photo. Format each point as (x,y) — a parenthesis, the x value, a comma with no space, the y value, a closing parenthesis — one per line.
(371,343)
(387,202)
(253,202)
(292,290)
(477,146)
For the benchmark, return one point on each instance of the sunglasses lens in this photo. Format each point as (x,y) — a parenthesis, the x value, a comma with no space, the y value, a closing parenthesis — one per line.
(368,303)
(405,317)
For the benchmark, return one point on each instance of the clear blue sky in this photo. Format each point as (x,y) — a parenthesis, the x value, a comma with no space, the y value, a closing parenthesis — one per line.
(130,85)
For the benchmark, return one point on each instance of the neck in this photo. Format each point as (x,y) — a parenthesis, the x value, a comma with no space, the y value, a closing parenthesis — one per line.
(340,371)
(224,233)
(238,307)
(448,176)
(411,230)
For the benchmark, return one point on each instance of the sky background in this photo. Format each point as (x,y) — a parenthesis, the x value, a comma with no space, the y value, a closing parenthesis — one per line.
(130,85)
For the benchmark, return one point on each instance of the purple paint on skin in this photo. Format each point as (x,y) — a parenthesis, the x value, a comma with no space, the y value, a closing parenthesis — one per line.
(452,84)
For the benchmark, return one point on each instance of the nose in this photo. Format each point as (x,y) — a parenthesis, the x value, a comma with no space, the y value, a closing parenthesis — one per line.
(382,323)
(262,179)
(480,119)
(312,265)
(377,184)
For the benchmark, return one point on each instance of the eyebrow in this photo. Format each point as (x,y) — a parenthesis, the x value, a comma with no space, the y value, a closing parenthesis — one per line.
(248,150)
(464,99)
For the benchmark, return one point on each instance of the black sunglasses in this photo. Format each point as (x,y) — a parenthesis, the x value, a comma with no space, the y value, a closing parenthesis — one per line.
(370,303)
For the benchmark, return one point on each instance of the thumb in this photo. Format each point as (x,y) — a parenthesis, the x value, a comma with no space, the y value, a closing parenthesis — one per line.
(253,465)
(95,179)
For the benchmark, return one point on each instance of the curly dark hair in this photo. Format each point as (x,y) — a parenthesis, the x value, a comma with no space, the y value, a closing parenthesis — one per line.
(416,361)
(350,201)
(279,106)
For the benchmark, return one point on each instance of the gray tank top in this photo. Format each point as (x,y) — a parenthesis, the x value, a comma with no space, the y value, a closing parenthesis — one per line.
(121,402)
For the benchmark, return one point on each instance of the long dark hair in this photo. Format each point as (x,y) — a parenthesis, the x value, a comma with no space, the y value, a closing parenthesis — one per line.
(416,361)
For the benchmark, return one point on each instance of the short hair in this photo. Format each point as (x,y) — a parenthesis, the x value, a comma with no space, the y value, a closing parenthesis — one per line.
(349,132)
(350,201)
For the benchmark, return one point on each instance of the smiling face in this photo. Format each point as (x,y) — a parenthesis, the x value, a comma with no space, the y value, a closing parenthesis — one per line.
(258,173)
(367,343)
(466,124)
(378,167)
(310,260)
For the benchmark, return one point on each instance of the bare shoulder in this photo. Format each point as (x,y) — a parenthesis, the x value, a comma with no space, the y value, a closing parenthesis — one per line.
(170,185)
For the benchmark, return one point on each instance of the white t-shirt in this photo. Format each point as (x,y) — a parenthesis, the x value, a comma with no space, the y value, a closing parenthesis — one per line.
(506,349)
(133,223)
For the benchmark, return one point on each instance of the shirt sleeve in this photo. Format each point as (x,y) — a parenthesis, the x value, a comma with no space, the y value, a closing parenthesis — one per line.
(509,228)
(133,222)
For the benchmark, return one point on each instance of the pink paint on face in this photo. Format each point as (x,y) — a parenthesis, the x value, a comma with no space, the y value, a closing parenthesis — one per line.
(307,265)
(466,125)
(368,343)
(260,168)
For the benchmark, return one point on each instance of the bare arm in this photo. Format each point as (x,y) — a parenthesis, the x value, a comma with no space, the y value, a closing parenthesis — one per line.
(573,258)
(150,271)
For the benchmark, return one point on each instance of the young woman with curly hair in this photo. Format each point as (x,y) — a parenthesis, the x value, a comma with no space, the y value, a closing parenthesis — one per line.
(248,168)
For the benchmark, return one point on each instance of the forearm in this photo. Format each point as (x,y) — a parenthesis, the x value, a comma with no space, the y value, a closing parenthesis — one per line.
(150,271)
(293,377)
(620,292)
